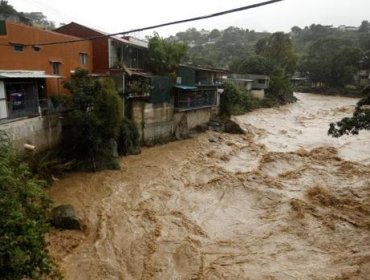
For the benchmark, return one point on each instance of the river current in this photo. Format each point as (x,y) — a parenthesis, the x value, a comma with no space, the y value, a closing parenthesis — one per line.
(282,201)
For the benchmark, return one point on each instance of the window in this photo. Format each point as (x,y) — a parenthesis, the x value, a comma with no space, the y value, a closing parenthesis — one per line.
(83,58)
(36,48)
(2,27)
(18,47)
(56,67)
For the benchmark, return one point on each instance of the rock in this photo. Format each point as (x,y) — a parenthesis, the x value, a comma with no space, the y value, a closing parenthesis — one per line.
(201,128)
(216,125)
(182,130)
(232,127)
(213,140)
(64,217)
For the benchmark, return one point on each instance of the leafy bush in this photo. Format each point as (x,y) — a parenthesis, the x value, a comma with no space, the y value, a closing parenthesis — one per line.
(359,121)
(92,123)
(23,218)
(280,90)
(235,101)
(128,139)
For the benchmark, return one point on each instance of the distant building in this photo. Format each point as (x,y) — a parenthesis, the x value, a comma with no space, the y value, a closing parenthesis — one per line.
(347,28)
(255,83)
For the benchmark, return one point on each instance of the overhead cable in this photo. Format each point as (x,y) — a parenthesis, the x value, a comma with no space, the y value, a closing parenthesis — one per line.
(159,25)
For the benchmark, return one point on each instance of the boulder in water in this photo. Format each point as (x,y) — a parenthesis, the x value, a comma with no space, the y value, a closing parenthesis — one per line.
(64,217)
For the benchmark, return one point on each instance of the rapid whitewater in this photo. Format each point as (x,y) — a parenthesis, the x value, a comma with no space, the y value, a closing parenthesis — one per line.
(282,201)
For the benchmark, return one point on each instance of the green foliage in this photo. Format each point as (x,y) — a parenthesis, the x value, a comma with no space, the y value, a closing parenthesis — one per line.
(94,119)
(359,121)
(253,64)
(275,56)
(218,48)
(280,90)
(23,218)
(332,62)
(235,101)
(164,56)
(278,50)
(365,26)
(40,20)
(128,140)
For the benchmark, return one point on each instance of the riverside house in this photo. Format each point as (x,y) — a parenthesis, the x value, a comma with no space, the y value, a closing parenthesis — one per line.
(31,72)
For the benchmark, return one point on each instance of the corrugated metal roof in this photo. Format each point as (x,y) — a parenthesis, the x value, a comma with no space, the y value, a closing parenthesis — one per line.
(26,74)
(117,38)
(204,68)
(184,87)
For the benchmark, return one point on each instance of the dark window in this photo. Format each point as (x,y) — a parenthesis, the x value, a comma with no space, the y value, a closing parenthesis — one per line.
(2,27)
(18,47)
(83,58)
(56,67)
(36,48)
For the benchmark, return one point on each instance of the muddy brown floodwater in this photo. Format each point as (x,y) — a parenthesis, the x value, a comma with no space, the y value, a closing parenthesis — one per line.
(283,201)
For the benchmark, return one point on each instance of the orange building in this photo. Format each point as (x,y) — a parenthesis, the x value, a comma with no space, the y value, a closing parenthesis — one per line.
(30,71)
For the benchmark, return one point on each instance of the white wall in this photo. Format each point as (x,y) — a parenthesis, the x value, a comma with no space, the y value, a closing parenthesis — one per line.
(42,132)
(3,105)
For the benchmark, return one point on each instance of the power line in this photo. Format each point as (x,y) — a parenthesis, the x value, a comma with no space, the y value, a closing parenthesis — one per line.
(160,25)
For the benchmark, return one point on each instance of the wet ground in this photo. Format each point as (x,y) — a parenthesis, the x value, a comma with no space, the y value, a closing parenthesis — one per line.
(283,201)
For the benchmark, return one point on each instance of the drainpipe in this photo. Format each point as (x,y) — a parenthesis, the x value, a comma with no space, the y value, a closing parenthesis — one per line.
(123,94)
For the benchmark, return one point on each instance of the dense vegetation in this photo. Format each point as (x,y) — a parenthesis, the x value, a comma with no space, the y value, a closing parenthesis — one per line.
(92,123)
(164,56)
(235,101)
(332,58)
(218,48)
(23,218)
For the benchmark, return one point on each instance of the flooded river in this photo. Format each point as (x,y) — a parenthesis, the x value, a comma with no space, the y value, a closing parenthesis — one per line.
(283,201)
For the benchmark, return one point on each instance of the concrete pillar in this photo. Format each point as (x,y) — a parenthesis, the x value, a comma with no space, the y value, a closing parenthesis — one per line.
(3,104)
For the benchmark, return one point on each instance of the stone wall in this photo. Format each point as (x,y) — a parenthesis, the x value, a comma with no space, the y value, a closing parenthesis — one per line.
(42,132)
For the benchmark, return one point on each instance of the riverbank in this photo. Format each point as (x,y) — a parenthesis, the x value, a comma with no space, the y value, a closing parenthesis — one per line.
(283,201)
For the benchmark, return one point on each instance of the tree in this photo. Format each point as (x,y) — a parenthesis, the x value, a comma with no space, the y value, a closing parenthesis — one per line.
(215,34)
(93,121)
(359,121)
(254,64)
(164,56)
(7,9)
(278,49)
(332,62)
(23,218)
(39,20)
(365,26)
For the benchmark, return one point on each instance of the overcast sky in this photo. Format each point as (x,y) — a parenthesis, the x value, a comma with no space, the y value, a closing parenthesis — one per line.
(120,15)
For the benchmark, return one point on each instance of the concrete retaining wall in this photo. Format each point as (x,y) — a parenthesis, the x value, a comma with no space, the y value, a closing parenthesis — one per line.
(155,122)
(42,132)
(260,94)
(194,117)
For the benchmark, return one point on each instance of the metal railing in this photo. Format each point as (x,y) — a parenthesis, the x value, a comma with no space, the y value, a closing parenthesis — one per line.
(30,108)
(194,102)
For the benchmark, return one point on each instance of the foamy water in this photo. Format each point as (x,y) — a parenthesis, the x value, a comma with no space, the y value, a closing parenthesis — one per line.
(305,123)
(280,202)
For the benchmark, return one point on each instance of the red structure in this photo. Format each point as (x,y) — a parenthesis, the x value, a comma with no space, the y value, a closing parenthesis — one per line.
(110,53)
(30,71)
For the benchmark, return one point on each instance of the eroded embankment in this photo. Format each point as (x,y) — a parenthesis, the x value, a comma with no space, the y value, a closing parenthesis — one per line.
(243,207)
